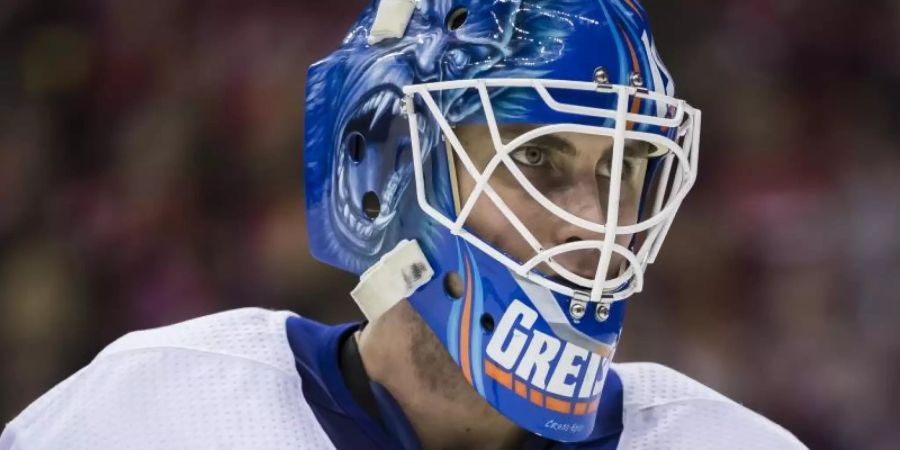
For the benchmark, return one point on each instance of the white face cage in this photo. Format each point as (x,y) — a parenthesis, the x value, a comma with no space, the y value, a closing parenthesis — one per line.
(677,174)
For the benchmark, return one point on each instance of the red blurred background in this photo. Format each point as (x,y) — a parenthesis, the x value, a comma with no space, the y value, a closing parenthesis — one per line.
(151,167)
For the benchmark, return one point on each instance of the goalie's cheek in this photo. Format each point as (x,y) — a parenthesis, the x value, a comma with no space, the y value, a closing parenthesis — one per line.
(493,226)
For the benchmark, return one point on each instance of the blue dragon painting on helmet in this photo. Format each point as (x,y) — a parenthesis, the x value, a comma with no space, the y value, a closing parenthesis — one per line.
(354,100)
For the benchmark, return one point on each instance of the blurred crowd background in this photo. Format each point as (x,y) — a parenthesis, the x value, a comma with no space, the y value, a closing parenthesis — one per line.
(150,171)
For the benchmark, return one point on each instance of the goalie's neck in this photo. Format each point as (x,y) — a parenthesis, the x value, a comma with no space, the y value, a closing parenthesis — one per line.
(399,352)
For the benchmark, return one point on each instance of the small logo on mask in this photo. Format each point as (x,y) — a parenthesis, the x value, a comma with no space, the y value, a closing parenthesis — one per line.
(566,427)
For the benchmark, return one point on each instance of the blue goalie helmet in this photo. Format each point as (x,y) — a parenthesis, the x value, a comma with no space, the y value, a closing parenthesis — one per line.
(510,168)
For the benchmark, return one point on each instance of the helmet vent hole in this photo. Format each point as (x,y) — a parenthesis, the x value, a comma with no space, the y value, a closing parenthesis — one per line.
(453,285)
(356,147)
(457,18)
(371,205)
(487,323)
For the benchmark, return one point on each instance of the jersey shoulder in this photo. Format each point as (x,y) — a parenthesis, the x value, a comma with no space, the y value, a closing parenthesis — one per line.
(224,380)
(252,335)
(663,408)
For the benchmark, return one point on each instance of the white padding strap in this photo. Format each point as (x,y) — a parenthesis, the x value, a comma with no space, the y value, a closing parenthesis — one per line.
(391,19)
(393,278)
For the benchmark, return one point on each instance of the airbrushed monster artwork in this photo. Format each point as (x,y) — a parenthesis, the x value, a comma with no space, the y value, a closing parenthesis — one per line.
(366,83)
(382,160)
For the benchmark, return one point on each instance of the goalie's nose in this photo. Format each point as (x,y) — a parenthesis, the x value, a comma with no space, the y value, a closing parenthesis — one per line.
(584,200)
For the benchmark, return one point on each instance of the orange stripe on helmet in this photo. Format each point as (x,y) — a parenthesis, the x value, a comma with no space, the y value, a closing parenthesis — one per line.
(580,408)
(560,406)
(633,7)
(636,68)
(503,377)
(520,389)
(465,327)
(536,397)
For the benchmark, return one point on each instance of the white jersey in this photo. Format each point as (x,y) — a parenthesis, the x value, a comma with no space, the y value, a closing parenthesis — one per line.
(231,380)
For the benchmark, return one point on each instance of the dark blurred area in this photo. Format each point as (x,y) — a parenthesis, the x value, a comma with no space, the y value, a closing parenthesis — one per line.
(151,171)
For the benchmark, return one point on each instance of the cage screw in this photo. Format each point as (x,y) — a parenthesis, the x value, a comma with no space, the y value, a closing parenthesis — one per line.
(577,308)
(637,80)
(601,77)
(406,106)
(602,312)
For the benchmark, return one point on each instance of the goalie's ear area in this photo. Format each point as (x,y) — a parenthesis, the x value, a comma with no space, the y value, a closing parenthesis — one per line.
(391,19)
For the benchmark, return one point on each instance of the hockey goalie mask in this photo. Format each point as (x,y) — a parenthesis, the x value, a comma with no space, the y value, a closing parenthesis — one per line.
(509,167)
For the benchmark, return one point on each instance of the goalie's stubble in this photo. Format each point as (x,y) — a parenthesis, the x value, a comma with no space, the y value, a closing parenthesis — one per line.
(400,352)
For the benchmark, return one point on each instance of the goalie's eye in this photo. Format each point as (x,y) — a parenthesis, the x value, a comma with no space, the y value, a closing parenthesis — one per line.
(530,155)
(635,160)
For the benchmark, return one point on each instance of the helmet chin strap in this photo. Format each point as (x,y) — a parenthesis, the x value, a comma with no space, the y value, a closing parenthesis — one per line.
(393,278)
(391,20)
